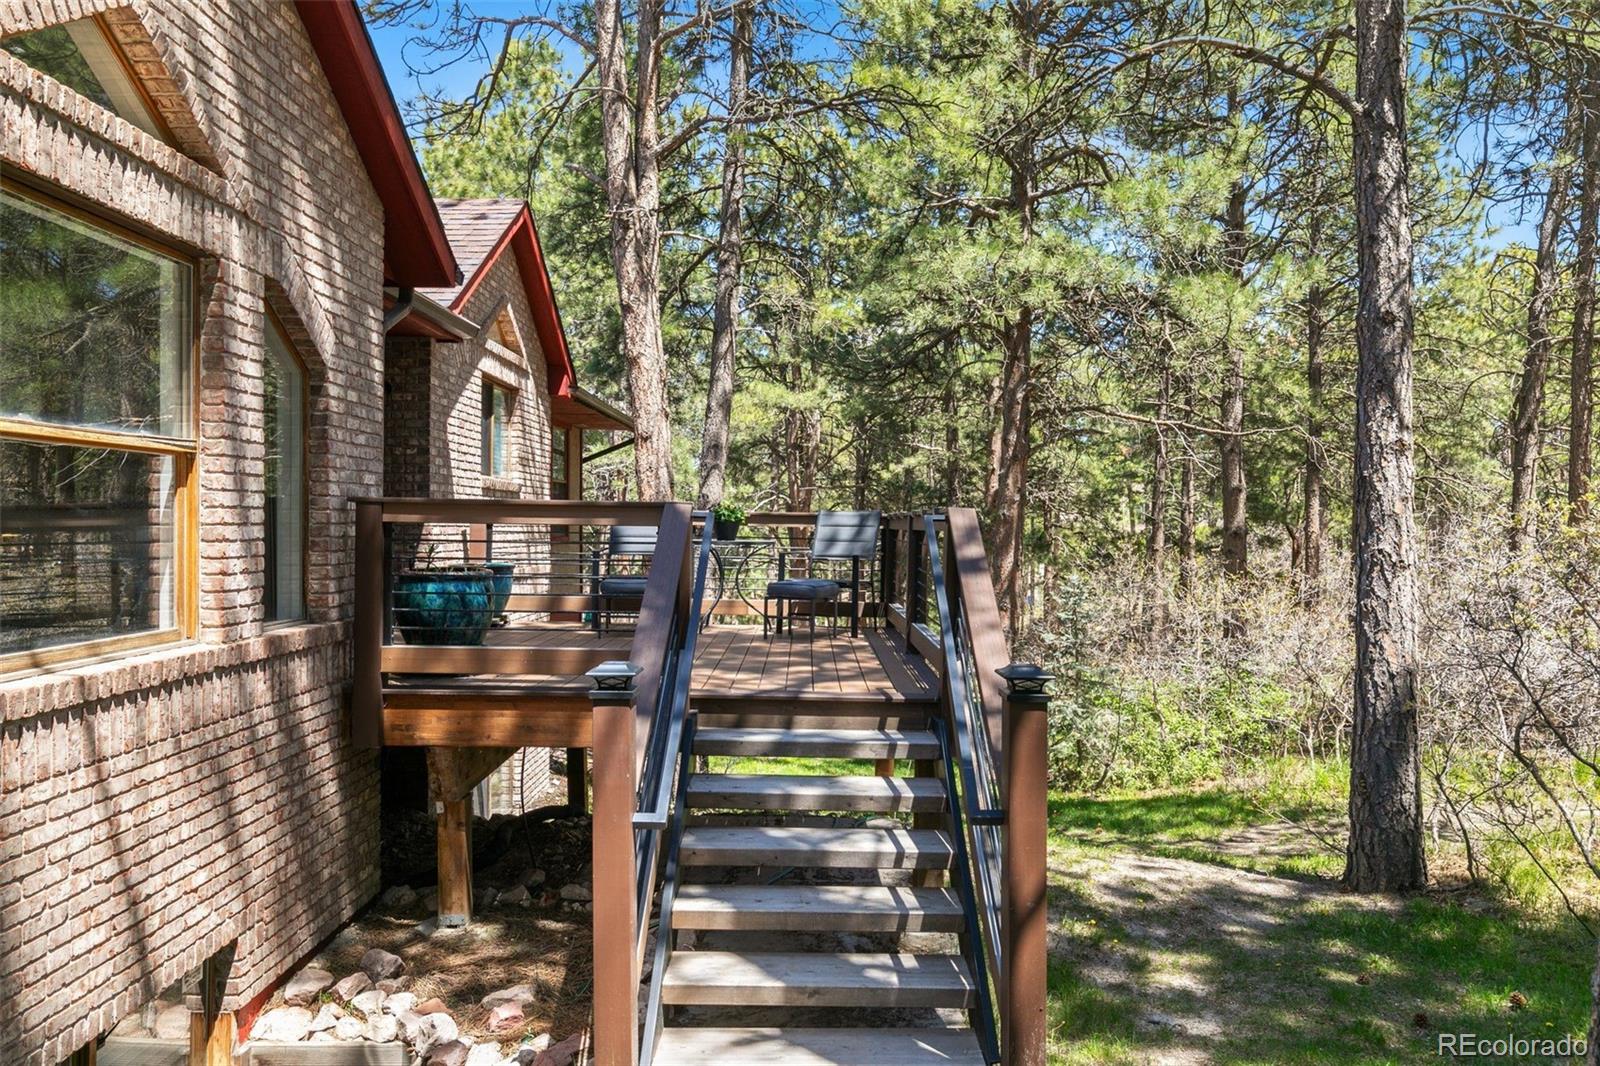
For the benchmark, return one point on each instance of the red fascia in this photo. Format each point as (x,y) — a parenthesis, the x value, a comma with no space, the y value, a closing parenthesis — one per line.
(415,249)
(522,237)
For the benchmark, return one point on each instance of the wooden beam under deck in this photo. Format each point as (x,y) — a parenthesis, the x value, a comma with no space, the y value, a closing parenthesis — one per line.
(473,721)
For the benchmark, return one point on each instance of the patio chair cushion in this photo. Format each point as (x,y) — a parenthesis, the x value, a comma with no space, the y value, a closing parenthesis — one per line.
(803,588)
(622,586)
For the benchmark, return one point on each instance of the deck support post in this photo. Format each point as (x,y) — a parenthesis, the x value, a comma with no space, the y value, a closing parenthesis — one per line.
(578,778)
(615,915)
(455,861)
(211,1029)
(1024,903)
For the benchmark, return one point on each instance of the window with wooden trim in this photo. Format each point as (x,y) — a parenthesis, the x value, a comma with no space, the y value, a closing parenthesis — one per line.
(558,463)
(97,436)
(284,386)
(498,401)
(82,56)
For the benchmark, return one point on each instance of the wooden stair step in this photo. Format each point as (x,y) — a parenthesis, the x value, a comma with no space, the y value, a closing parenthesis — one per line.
(880,849)
(819,1047)
(815,792)
(819,743)
(816,979)
(852,908)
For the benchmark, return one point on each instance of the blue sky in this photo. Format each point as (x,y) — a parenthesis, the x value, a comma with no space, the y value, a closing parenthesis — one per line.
(458,78)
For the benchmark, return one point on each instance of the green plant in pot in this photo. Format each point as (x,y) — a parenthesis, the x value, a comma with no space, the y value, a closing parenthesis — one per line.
(726,518)
(444,604)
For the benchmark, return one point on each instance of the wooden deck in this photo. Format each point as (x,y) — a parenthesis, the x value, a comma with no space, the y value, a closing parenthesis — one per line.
(734,665)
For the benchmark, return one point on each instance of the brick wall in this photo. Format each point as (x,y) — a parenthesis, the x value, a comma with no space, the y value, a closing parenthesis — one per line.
(159,806)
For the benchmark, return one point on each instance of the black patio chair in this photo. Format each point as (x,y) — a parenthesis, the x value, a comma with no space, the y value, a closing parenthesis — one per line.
(624,542)
(840,535)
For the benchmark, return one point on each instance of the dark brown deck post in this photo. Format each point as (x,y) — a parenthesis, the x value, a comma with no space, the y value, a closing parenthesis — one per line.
(366,699)
(1024,911)
(616,973)
(578,778)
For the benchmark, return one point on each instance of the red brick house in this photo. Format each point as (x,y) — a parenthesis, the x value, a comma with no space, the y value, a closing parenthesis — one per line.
(210,220)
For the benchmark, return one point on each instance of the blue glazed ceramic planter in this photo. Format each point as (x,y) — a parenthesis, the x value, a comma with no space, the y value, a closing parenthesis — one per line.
(444,606)
(502,584)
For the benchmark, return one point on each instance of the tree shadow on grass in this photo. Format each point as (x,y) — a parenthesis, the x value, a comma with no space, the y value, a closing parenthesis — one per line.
(1159,959)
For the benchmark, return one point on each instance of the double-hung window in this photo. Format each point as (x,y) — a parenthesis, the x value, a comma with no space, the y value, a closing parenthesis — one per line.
(97,436)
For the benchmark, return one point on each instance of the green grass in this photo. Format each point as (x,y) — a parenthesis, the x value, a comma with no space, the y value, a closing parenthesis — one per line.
(1331,978)
(739,764)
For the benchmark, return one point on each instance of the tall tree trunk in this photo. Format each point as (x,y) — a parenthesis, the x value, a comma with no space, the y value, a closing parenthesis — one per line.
(1580,457)
(1235,494)
(1156,519)
(730,258)
(1535,365)
(1311,536)
(1186,508)
(952,436)
(630,139)
(1386,834)
(1593,1058)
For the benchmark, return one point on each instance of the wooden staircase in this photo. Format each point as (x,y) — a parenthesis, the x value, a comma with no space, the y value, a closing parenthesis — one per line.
(756,891)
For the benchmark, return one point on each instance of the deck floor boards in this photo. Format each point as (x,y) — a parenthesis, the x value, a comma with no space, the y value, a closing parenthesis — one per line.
(730,660)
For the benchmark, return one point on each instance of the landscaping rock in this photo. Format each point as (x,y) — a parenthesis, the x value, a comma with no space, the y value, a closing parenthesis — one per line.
(521,995)
(484,1054)
(431,1005)
(486,897)
(389,986)
(369,1002)
(532,879)
(451,1053)
(326,1018)
(382,1028)
(379,964)
(304,987)
(350,1029)
(561,1054)
(285,1025)
(505,1017)
(424,1032)
(399,1003)
(576,893)
(514,894)
(400,896)
(352,986)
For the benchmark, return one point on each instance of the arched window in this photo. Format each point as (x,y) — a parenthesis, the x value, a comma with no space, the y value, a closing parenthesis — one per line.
(284,383)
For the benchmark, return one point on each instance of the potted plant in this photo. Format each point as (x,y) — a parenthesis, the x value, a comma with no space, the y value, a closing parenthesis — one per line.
(504,574)
(726,518)
(444,604)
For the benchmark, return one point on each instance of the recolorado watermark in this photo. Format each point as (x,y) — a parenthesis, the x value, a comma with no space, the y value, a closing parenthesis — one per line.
(1511,1046)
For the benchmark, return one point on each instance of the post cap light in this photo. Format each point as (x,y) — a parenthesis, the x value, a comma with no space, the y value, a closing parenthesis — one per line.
(1025,679)
(614,675)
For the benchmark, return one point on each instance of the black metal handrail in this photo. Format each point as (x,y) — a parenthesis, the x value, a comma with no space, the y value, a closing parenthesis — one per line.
(977,816)
(669,896)
(653,813)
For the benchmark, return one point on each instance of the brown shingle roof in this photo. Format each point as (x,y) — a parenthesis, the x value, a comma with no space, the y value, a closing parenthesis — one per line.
(474,228)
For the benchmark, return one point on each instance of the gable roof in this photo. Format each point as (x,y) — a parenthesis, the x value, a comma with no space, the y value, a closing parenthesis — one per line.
(415,250)
(480,231)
